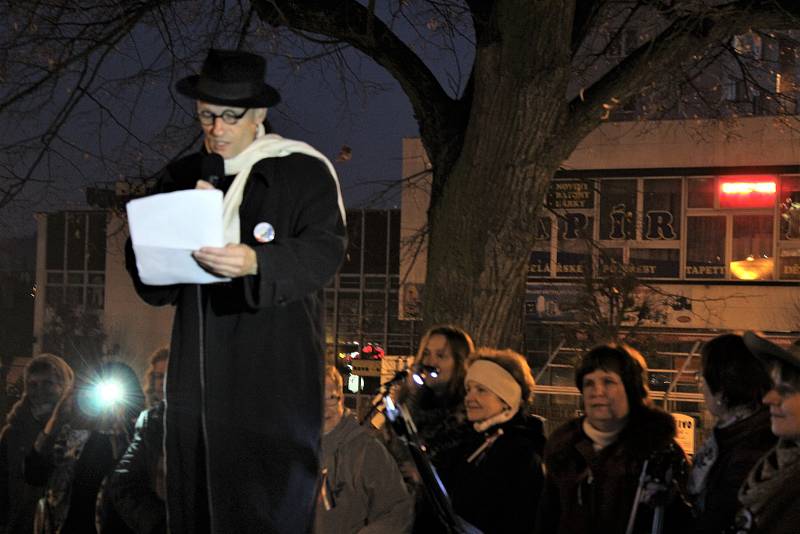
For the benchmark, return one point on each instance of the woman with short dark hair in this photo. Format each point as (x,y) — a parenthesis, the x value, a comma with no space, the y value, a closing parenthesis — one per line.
(596,463)
(733,383)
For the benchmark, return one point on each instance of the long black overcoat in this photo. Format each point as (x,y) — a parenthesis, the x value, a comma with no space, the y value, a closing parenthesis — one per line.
(244,382)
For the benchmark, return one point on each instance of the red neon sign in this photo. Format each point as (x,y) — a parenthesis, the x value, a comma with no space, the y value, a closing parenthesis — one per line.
(747,192)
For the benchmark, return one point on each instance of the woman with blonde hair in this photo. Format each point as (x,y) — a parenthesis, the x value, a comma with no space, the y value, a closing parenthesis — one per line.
(496,474)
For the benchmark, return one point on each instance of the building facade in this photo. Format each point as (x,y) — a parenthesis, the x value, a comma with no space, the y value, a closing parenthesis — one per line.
(703,216)
(86,307)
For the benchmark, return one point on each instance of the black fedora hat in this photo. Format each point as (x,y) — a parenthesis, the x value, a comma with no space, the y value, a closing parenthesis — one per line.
(767,350)
(231,78)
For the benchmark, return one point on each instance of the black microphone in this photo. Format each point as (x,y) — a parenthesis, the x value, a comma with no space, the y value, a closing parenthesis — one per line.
(212,169)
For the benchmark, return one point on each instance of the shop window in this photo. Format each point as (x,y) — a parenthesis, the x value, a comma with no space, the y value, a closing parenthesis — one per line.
(701,192)
(662,209)
(654,262)
(705,247)
(609,260)
(790,208)
(789,264)
(752,247)
(618,209)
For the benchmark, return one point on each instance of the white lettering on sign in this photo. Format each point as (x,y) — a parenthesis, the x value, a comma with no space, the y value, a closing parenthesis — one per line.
(700,270)
(570,195)
(569,268)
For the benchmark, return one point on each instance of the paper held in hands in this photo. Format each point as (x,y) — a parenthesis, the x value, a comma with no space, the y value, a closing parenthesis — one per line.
(167,228)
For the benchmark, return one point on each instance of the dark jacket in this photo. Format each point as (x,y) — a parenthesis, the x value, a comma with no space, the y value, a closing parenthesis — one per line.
(18,498)
(739,446)
(590,492)
(73,473)
(498,491)
(133,486)
(244,382)
(364,484)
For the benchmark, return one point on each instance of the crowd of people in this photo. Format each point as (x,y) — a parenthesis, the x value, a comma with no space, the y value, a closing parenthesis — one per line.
(245,430)
(68,466)
(66,446)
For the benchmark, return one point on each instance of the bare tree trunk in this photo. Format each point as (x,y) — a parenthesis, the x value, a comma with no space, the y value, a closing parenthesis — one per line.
(492,195)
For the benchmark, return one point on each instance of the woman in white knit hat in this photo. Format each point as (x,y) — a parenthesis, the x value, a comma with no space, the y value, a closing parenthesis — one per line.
(495,479)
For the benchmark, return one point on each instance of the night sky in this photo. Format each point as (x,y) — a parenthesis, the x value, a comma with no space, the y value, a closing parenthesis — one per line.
(371,125)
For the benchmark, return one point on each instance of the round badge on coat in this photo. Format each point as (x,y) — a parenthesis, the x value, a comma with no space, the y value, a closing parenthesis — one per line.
(264,232)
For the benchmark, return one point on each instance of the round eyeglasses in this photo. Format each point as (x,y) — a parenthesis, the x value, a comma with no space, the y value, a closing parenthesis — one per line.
(228,116)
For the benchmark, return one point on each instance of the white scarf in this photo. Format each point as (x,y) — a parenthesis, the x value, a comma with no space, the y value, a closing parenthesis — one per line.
(600,439)
(497,419)
(264,146)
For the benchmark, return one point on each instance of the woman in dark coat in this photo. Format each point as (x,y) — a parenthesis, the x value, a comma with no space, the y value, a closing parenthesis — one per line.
(437,409)
(733,383)
(595,463)
(437,406)
(497,478)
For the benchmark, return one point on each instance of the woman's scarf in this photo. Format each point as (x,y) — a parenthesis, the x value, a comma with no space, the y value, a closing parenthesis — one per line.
(600,439)
(778,470)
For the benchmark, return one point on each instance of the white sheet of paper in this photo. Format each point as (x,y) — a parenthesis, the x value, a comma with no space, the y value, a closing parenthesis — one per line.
(166,228)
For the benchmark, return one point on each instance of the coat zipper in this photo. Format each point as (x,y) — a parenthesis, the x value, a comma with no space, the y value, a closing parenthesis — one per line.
(203,424)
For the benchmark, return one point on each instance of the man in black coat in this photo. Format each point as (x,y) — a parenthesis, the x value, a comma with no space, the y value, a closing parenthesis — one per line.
(244,382)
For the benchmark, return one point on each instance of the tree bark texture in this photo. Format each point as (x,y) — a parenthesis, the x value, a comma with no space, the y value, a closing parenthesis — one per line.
(482,219)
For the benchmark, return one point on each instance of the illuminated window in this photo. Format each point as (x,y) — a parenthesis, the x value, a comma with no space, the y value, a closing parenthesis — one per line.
(752,247)
(790,208)
(747,192)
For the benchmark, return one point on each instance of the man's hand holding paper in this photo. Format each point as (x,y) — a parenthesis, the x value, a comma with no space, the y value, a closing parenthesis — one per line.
(167,228)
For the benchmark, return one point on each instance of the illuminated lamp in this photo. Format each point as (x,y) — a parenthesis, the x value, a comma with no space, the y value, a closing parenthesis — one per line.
(747,192)
(752,268)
